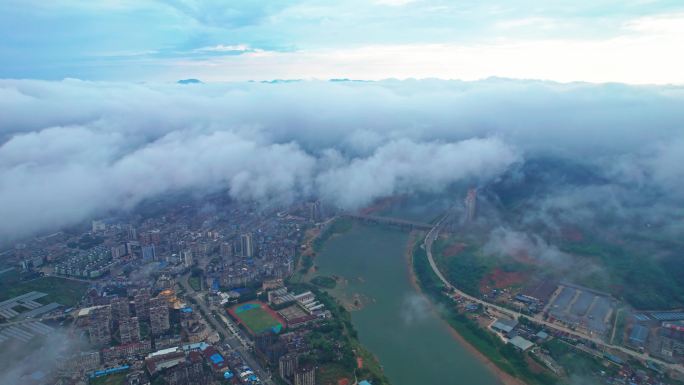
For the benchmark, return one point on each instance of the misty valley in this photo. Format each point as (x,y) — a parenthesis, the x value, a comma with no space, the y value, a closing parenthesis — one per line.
(310,192)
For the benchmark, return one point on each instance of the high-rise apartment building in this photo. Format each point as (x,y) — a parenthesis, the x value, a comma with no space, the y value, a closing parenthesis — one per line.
(120,308)
(305,376)
(159,316)
(226,249)
(149,252)
(142,304)
(247,245)
(129,330)
(287,365)
(315,213)
(186,258)
(100,326)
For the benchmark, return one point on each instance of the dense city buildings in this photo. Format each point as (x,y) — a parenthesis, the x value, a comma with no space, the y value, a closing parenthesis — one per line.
(186,258)
(149,252)
(124,351)
(142,303)
(305,376)
(226,250)
(119,251)
(84,362)
(246,245)
(198,296)
(159,316)
(315,213)
(287,365)
(129,330)
(100,325)
(92,263)
(120,308)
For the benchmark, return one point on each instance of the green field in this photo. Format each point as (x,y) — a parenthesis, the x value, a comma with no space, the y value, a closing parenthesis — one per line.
(324,282)
(331,372)
(257,319)
(195,283)
(575,361)
(112,379)
(60,290)
(631,274)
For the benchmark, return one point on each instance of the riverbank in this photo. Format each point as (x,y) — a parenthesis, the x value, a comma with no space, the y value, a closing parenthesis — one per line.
(503,376)
(397,325)
(354,361)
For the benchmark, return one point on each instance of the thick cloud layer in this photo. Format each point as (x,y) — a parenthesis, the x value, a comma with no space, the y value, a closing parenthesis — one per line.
(506,242)
(71,149)
(18,360)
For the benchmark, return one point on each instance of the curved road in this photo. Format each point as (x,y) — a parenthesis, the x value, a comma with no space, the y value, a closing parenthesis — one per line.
(432,236)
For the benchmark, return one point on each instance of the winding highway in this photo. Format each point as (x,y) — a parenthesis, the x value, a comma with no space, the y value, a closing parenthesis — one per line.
(427,245)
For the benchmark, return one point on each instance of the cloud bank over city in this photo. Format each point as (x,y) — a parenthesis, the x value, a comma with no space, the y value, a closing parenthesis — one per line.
(97,147)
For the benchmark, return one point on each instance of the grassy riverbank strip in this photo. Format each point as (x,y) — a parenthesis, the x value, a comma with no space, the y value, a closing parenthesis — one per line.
(338,351)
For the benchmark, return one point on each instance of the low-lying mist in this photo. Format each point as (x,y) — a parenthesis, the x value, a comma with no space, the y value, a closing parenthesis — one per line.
(71,150)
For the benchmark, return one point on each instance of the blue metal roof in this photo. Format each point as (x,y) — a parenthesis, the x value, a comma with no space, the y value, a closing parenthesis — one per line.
(638,335)
(668,316)
(105,372)
(216,358)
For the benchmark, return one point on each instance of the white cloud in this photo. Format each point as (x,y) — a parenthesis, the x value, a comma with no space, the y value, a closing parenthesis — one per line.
(649,52)
(394,3)
(226,48)
(537,22)
(668,25)
(506,242)
(100,146)
(405,167)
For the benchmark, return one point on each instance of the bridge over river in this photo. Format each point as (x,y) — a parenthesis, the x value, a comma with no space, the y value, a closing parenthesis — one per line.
(402,223)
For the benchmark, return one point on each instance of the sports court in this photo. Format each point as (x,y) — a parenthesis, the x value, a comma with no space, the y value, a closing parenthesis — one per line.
(257,317)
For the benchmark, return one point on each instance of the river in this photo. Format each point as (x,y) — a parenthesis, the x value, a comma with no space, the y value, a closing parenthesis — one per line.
(397,324)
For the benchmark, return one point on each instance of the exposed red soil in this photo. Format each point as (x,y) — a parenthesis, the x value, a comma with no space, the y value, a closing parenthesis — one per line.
(499,279)
(572,234)
(454,249)
(380,205)
(523,257)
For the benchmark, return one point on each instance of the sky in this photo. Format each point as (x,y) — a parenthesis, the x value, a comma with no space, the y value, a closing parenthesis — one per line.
(626,41)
